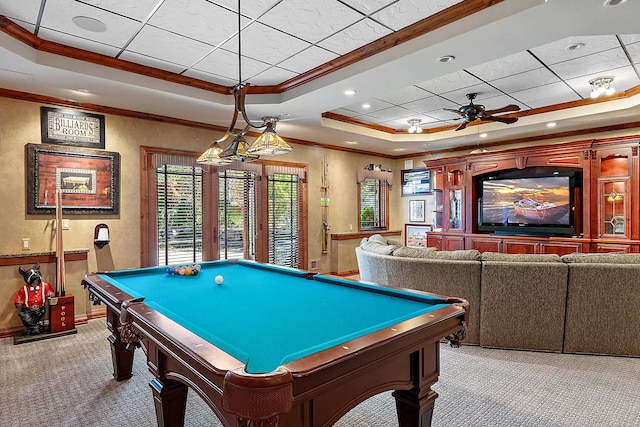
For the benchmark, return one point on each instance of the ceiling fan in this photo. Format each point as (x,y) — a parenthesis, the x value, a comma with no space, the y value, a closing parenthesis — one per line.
(473,112)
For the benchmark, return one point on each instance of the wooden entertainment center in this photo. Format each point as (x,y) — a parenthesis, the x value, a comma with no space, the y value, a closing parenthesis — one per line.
(607,203)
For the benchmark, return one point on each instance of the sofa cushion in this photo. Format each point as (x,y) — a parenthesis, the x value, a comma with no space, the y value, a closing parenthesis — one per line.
(459,255)
(494,256)
(378,238)
(378,248)
(411,252)
(610,258)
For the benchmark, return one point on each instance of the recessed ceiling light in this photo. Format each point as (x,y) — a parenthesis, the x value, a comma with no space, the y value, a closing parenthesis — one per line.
(612,3)
(574,46)
(365,106)
(446,58)
(399,149)
(89,24)
(349,92)
(483,135)
(284,114)
(352,142)
(551,124)
(83,91)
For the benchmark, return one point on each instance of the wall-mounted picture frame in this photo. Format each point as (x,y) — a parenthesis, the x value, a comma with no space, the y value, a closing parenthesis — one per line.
(88,179)
(71,127)
(415,182)
(416,235)
(416,210)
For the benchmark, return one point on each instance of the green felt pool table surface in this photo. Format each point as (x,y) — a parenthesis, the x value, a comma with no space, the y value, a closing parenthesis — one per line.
(266,316)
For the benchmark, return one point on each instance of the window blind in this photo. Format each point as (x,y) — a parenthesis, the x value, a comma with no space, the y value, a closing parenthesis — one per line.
(373,204)
(237,213)
(284,219)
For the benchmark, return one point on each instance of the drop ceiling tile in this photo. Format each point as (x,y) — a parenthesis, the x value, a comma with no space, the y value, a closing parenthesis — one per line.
(506,66)
(556,52)
(630,38)
(272,76)
(78,42)
(310,21)
(167,46)
(139,9)
(555,93)
(368,7)
(225,63)
(431,103)
(151,62)
(209,77)
(266,44)
(374,105)
(197,19)
(526,80)
(624,78)
(308,59)
(406,12)
(500,101)
(392,113)
(448,82)
(634,52)
(404,95)
(250,8)
(599,62)
(23,10)
(355,36)
(58,17)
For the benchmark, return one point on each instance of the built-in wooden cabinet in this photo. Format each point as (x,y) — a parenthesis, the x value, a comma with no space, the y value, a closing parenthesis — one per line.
(607,201)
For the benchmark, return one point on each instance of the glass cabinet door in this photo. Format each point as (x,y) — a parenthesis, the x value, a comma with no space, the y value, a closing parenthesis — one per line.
(614,219)
(455,209)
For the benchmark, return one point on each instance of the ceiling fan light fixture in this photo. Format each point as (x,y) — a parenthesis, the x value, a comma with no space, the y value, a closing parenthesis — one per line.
(269,142)
(415,125)
(601,86)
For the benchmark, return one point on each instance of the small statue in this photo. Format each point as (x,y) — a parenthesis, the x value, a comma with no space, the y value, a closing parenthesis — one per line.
(31,299)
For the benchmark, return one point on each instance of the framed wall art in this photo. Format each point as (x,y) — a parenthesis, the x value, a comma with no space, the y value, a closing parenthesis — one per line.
(416,210)
(416,235)
(88,179)
(415,182)
(70,127)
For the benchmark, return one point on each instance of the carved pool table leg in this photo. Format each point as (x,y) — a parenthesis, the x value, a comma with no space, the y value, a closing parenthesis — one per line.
(121,354)
(170,400)
(414,410)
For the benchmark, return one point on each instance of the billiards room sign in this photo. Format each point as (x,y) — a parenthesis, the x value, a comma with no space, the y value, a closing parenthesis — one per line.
(71,127)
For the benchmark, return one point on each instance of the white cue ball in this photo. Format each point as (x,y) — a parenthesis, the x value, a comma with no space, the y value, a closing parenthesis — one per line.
(219,280)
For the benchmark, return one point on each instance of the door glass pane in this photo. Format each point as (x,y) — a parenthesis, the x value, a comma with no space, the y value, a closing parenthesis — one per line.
(614,200)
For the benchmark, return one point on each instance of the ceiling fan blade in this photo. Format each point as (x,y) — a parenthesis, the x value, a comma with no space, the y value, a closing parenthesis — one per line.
(507,120)
(463,125)
(510,107)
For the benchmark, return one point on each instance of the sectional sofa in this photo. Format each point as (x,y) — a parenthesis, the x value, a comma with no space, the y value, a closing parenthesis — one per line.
(578,303)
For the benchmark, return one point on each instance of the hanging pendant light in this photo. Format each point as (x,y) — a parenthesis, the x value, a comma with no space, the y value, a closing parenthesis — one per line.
(269,143)
(238,149)
(212,155)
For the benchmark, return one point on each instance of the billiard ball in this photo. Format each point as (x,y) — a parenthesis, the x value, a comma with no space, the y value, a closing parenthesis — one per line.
(219,280)
(170,270)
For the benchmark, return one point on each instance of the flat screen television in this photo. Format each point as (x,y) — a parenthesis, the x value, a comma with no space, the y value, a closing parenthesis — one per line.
(533,201)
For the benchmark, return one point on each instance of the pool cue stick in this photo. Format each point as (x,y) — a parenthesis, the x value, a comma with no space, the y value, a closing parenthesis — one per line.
(59,246)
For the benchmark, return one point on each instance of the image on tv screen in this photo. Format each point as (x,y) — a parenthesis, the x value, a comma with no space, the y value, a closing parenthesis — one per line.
(534,201)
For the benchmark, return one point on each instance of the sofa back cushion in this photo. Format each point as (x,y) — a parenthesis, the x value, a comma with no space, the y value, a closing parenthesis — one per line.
(411,252)
(459,255)
(494,256)
(595,258)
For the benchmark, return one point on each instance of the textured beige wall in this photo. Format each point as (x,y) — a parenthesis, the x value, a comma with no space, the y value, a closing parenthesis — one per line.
(20,124)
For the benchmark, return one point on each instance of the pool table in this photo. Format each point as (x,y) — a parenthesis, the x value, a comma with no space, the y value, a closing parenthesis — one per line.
(276,346)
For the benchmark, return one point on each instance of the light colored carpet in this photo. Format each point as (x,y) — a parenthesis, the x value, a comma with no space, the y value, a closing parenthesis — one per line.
(67,381)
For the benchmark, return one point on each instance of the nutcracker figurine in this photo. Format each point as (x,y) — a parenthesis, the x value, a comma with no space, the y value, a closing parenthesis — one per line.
(31,299)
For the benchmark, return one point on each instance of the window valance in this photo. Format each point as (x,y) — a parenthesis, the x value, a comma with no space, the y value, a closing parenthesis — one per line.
(362,174)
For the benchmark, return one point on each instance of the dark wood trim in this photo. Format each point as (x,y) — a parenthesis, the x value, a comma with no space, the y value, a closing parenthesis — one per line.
(42,257)
(360,235)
